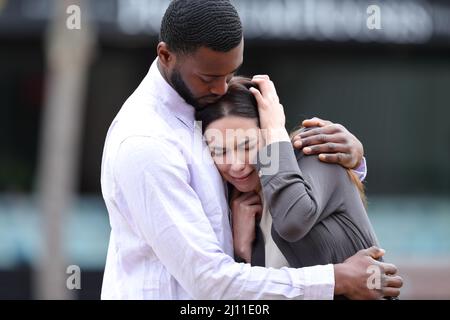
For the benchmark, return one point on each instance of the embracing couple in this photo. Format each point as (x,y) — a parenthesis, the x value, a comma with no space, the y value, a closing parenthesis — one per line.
(271,216)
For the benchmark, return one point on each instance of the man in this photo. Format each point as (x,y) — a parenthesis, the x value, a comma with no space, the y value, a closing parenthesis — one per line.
(170,228)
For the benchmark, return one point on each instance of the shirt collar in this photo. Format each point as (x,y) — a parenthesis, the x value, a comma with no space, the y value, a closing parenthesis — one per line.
(170,98)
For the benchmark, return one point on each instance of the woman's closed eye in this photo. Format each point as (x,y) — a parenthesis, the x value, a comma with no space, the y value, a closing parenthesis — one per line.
(248,145)
(218,152)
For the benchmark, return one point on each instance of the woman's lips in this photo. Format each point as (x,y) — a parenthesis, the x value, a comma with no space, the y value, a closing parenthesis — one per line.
(243,178)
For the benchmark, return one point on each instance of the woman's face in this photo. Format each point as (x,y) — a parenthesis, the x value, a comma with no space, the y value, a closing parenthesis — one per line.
(234,142)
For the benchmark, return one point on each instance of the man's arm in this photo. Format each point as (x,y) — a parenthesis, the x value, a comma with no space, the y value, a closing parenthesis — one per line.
(153,178)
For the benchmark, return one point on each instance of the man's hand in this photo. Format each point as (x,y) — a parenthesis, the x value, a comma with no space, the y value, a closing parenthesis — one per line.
(351,277)
(245,208)
(332,142)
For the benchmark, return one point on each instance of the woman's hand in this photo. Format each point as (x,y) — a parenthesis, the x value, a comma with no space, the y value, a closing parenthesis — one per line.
(245,208)
(271,112)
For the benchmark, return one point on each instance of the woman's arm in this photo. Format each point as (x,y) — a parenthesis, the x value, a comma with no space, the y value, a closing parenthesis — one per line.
(295,204)
(301,193)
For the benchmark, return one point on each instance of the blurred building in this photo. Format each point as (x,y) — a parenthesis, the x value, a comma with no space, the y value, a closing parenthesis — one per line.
(390,87)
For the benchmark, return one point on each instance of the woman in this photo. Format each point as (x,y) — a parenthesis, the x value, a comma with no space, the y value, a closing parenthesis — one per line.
(306,212)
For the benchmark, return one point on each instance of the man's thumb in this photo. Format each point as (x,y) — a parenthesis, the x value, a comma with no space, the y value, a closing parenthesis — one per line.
(375,252)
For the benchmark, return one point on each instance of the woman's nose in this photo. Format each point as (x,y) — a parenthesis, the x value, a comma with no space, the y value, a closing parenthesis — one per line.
(237,166)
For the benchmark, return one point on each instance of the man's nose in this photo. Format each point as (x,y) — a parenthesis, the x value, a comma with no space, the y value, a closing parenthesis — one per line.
(219,88)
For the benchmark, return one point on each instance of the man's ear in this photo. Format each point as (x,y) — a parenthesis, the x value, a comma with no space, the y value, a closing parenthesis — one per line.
(166,57)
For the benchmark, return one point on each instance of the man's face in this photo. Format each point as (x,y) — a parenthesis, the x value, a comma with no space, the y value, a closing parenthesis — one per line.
(202,77)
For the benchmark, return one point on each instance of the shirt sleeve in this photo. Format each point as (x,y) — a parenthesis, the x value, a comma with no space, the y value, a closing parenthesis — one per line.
(301,193)
(152,177)
(361,170)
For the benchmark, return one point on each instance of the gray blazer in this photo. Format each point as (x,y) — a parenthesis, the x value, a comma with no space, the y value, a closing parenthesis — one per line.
(318,216)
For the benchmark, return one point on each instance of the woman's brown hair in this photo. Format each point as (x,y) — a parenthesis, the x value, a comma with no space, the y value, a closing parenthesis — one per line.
(238,101)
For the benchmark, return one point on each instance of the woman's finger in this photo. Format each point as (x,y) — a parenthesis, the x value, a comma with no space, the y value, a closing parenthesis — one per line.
(247,195)
(255,199)
(267,88)
(258,96)
(258,211)
(242,197)
(261,76)
(257,208)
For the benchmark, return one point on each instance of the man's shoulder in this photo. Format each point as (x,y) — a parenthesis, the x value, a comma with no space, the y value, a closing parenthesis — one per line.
(139,156)
(148,144)
(137,119)
(135,141)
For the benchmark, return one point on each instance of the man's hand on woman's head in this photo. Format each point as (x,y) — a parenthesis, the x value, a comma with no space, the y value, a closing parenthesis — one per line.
(332,142)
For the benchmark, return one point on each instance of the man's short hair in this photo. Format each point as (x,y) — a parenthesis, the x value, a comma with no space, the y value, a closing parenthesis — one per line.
(190,24)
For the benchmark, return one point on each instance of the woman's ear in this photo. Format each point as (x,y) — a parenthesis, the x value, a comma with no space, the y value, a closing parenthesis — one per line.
(166,57)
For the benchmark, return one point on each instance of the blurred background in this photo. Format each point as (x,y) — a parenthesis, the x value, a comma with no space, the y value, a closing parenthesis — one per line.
(61,86)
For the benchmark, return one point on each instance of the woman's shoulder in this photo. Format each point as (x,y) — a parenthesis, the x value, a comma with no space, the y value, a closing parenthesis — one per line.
(313,168)
(313,162)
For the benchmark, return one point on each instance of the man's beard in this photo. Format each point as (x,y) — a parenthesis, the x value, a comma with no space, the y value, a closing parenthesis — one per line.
(181,88)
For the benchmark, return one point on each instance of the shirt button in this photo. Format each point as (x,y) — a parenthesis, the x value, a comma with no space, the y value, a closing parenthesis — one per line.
(260,173)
